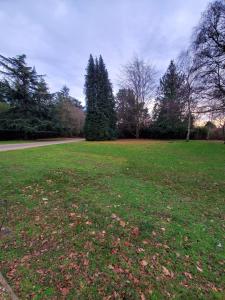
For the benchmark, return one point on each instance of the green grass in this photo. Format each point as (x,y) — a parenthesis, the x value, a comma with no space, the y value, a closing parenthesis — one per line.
(14,142)
(120,220)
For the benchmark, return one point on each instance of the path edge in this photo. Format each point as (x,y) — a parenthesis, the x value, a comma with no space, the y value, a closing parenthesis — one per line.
(7,287)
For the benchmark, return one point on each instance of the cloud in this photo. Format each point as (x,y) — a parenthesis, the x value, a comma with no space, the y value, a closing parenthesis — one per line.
(58,35)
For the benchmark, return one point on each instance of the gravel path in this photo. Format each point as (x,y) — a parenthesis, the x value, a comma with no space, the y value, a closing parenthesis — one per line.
(8,147)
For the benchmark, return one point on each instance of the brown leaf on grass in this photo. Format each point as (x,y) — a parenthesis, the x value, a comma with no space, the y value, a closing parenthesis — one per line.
(86,262)
(140,250)
(116,242)
(142,296)
(122,223)
(113,216)
(88,222)
(114,251)
(127,244)
(154,233)
(188,275)
(110,267)
(64,291)
(118,269)
(72,214)
(143,263)
(145,242)
(199,269)
(167,273)
(135,231)
(37,218)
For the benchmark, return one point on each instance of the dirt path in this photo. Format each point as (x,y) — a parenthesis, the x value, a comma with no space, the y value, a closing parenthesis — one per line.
(8,147)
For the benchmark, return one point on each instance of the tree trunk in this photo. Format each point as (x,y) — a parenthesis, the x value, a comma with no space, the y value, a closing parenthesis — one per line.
(137,133)
(189,123)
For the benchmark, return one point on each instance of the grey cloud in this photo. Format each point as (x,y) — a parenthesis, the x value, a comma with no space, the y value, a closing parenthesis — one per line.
(59,35)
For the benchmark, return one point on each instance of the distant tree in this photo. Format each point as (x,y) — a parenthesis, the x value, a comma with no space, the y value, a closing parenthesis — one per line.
(190,89)
(100,123)
(69,115)
(210,126)
(4,107)
(4,91)
(168,111)
(139,77)
(126,108)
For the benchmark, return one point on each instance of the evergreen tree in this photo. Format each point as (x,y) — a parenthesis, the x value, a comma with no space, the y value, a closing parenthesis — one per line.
(168,111)
(22,80)
(100,121)
(27,95)
(91,122)
(126,112)
(42,98)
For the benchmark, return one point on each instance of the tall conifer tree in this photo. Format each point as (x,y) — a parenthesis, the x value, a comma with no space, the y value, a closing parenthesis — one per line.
(101,117)
(169,109)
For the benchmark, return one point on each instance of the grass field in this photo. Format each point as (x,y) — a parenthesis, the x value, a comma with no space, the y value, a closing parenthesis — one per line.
(14,142)
(115,220)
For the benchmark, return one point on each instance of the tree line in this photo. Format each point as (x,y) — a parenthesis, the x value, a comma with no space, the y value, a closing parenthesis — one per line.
(192,87)
(29,110)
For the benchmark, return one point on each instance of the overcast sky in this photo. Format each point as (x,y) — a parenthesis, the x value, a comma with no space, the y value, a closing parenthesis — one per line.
(58,35)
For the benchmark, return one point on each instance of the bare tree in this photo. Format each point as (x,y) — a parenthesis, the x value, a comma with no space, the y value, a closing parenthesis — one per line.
(71,117)
(209,57)
(139,77)
(190,93)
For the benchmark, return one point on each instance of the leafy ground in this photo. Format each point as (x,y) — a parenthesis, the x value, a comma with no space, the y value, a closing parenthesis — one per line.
(115,220)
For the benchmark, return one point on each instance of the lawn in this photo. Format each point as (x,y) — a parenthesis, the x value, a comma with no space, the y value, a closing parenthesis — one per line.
(115,220)
(14,142)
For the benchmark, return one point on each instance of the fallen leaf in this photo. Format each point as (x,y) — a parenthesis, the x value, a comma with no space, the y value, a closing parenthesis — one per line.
(142,296)
(188,275)
(110,267)
(65,291)
(114,251)
(140,250)
(86,262)
(143,263)
(145,242)
(122,223)
(166,272)
(199,269)
(72,214)
(127,244)
(88,222)
(135,231)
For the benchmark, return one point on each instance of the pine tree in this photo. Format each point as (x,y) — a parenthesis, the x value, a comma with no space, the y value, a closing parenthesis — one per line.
(90,129)
(100,121)
(169,108)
